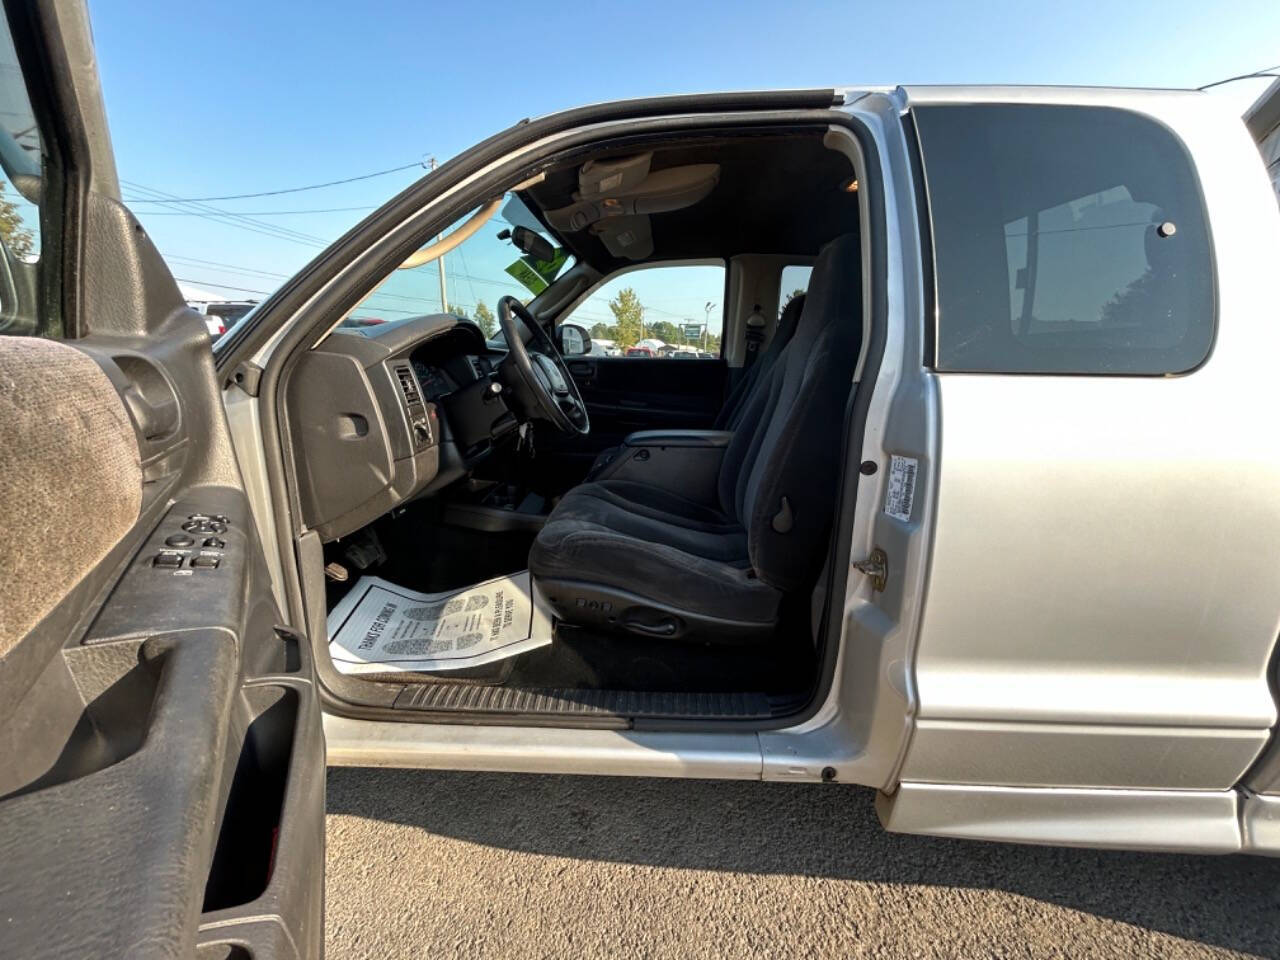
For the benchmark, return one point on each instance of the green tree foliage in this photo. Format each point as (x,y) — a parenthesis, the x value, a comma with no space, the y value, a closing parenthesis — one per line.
(485,319)
(15,235)
(629,314)
(666,331)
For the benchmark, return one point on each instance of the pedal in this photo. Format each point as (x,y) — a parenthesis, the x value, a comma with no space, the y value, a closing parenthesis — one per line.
(336,572)
(364,550)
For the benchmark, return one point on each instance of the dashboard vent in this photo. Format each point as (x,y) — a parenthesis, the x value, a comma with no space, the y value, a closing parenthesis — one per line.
(408,385)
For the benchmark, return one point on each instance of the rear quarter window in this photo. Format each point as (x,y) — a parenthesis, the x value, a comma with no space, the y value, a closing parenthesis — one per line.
(1066,240)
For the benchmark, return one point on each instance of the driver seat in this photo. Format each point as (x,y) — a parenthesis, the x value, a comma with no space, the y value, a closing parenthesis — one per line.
(647,560)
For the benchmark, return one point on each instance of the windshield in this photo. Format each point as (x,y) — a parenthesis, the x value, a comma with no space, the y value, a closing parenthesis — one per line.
(469,280)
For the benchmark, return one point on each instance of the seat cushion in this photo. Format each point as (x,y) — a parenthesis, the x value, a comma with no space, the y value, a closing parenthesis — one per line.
(653,544)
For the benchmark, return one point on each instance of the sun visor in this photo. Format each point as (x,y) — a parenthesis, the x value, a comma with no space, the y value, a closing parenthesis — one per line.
(629,238)
(660,192)
(601,178)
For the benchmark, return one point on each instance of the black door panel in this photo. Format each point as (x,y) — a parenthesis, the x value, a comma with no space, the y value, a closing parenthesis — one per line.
(625,394)
(164,776)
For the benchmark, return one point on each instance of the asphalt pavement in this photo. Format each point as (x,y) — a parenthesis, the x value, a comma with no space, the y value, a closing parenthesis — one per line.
(442,865)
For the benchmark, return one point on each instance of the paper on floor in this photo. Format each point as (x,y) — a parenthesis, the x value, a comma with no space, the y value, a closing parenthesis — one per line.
(379,627)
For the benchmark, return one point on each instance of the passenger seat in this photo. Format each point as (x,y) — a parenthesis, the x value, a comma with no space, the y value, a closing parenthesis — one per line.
(731,413)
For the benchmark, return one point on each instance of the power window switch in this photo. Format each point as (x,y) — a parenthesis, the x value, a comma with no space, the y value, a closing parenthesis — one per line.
(208,563)
(170,560)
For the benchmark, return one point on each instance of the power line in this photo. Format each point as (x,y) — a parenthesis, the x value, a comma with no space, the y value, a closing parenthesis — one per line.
(276,193)
(224,286)
(231,267)
(366,307)
(1264,72)
(248,213)
(230,216)
(225,217)
(267,274)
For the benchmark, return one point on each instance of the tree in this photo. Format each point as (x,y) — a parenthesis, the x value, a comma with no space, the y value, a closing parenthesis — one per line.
(459,311)
(666,331)
(485,321)
(629,313)
(604,331)
(19,240)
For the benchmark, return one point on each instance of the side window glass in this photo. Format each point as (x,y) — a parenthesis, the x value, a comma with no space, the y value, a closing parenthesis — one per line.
(22,165)
(656,312)
(795,281)
(1066,240)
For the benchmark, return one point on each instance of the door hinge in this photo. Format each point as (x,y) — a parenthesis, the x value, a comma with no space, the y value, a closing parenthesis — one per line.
(246,376)
(876,567)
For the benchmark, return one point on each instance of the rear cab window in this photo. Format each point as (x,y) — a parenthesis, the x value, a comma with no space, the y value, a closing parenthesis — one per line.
(1066,240)
(793,282)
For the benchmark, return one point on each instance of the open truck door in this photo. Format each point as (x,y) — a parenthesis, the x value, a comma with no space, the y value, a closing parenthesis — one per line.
(162,759)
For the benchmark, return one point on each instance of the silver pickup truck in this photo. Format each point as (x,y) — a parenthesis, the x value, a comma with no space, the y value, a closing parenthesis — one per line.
(963,487)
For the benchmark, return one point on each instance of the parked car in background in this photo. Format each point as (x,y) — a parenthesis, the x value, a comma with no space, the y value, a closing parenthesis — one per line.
(221,315)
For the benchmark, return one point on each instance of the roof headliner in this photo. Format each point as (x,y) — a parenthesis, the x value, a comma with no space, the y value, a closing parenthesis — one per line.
(778,193)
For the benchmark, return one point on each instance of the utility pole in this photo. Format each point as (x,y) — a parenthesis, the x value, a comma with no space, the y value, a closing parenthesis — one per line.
(706,320)
(444,294)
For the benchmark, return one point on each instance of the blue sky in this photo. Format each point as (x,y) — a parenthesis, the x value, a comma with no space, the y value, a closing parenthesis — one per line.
(237,97)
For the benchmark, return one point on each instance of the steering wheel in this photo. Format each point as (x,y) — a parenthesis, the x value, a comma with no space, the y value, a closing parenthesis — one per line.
(541,380)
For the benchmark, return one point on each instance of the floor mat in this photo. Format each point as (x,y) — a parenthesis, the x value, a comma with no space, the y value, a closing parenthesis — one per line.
(380,627)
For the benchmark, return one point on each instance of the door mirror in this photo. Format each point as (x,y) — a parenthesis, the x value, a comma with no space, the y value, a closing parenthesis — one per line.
(573,340)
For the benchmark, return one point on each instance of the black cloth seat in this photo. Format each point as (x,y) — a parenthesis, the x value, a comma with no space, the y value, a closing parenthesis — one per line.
(788,321)
(730,414)
(629,535)
(632,556)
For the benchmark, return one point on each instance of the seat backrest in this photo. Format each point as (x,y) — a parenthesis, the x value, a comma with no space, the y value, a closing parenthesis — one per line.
(782,467)
(731,413)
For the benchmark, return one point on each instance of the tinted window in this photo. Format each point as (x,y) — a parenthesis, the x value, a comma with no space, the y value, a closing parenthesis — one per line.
(1066,240)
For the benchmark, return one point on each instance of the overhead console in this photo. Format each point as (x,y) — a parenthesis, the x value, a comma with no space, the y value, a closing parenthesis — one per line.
(366,431)
(616,196)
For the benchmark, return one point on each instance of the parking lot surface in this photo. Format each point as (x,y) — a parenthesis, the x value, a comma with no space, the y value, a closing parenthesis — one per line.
(442,865)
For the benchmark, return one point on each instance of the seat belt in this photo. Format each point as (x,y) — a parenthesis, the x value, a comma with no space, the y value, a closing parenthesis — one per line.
(755,337)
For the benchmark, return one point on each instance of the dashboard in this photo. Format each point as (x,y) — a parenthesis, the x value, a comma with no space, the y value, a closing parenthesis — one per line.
(435,382)
(441,372)
(383,414)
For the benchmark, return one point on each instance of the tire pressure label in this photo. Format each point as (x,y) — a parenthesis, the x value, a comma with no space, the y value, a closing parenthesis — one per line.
(902,487)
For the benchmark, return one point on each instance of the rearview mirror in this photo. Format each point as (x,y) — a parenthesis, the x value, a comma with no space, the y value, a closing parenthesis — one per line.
(527,241)
(573,340)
